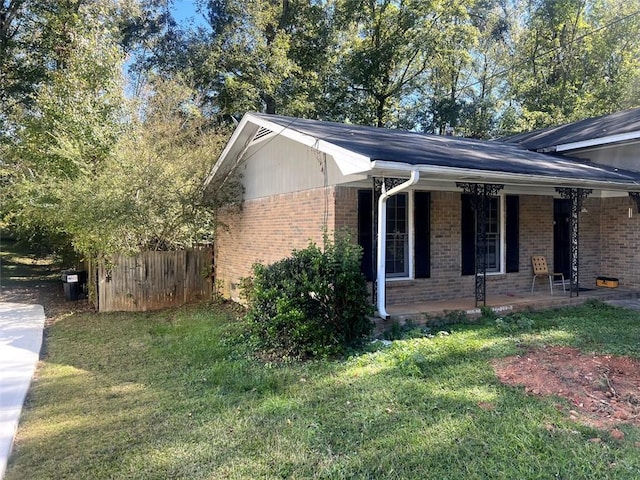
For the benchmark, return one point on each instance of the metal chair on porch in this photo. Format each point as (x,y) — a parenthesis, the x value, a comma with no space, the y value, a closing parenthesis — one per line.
(540,269)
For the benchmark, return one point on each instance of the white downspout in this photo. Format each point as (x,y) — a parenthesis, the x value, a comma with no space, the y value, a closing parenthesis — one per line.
(382,240)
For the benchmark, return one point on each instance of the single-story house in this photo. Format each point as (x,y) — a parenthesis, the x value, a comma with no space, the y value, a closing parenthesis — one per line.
(454,217)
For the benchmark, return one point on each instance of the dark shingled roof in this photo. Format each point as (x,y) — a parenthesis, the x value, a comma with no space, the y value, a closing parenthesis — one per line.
(588,129)
(420,149)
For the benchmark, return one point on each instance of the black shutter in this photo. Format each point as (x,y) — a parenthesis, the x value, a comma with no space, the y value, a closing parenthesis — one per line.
(468,236)
(365,231)
(422,228)
(512,229)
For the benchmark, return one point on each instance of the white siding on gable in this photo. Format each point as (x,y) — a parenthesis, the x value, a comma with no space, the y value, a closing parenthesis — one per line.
(626,157)
(278,165)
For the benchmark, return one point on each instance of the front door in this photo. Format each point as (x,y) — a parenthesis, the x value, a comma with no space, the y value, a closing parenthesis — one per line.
(562,237)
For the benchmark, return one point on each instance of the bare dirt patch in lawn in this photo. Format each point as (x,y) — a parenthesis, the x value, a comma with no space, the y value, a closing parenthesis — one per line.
(603,390)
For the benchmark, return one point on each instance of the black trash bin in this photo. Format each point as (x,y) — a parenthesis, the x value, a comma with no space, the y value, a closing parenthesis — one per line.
(74,282)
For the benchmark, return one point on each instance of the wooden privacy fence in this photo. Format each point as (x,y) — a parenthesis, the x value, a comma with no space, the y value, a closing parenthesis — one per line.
(154,280)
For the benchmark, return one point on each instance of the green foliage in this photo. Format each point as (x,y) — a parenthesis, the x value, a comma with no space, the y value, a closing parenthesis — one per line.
(86,168)
(21,66)
(595,304)
(164,157)
(515,322)
(487,313)
(313,303)
(77,113)
(573,60)
(405,331)
(66,129)
(389,50)
(448,317)
(397,64)
(395,332)
(261,55)
(143,191)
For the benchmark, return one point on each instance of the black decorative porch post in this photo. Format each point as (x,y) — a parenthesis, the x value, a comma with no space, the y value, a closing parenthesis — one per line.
(480,194)
(576,196)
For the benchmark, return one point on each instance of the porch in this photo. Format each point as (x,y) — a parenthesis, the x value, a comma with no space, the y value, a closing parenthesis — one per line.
(422,312)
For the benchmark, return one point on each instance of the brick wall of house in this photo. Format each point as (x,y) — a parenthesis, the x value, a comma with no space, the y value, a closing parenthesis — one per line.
(267,230)
(590,241)
(620,242)
(346,210)
(536,238)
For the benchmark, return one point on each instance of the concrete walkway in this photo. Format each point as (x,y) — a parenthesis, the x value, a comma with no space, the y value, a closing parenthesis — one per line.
(20,341)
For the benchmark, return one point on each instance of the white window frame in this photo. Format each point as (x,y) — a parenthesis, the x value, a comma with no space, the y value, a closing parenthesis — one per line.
(502,212)
(410,243)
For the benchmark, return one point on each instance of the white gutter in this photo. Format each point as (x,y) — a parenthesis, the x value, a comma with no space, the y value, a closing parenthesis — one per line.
(488,176)
(595,142)
(382,239)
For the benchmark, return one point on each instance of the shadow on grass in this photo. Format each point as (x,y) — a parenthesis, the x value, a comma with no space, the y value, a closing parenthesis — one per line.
(19,268)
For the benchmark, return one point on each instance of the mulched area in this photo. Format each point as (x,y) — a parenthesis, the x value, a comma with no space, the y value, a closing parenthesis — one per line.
(603,390)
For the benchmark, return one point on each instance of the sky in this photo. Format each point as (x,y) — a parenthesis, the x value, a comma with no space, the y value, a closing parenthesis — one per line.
(185,11)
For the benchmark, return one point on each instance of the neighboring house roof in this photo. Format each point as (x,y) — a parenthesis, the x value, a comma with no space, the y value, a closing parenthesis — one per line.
(360,149)
(607,129)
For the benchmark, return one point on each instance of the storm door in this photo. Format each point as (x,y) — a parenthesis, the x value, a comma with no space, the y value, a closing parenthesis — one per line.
(562,237)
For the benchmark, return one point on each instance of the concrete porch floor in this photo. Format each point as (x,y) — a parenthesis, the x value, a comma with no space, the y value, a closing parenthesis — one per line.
(421,312)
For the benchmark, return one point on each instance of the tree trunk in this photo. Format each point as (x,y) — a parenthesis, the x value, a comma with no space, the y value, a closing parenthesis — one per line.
(380,112)
(270,104)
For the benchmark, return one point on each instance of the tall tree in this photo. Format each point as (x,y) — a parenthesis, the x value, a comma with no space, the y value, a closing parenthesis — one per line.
(490,56)
(459,93)
(164,156)
(22,63)
(574,59)
(262,55)
(76,113)
(615,50)
(386,47)
(73,120)
(409,63)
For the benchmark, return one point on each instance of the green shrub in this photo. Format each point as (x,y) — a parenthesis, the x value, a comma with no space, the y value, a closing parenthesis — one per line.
(515,322)
(313,303)
(406,331)
(449,317)
(487,313)
(596,304)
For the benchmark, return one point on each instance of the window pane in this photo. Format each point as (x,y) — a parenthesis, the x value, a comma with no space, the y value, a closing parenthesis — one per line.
(493,235)
(397,236)
(493,251)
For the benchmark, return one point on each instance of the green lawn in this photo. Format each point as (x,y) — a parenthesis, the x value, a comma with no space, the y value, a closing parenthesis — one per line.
(176,395)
